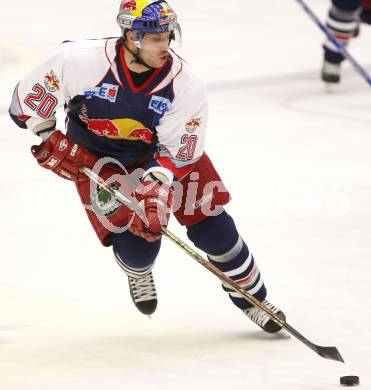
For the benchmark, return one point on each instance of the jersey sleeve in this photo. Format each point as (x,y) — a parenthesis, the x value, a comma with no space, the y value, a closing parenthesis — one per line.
(182,130)
(38,95)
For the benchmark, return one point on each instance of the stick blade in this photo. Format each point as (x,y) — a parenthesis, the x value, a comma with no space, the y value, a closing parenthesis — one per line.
(331,353)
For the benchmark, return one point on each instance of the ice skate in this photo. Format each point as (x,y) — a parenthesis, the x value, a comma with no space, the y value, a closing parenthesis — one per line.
(261,318)
(143,293)
(330,72)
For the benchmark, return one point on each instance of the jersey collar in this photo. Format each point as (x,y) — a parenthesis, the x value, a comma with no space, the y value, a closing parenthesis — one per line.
(129,79)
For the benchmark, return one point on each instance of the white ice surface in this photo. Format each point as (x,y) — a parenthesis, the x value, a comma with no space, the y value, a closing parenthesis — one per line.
(297,161)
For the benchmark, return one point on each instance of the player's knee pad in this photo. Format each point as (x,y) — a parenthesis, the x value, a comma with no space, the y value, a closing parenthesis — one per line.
(215,234)
(134,255)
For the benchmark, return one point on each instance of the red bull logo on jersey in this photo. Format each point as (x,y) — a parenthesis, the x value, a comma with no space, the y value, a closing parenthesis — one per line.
(193,125)
(143,134)
(101,127)
(106,92)
(127,128)
(51,82)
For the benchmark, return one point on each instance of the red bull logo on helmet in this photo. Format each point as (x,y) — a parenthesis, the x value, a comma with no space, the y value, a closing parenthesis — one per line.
(129,5)
(165,11)
(127,128)
(167,16)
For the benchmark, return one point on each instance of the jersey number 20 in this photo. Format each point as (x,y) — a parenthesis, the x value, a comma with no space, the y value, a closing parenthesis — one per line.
(41,102)
(187,151)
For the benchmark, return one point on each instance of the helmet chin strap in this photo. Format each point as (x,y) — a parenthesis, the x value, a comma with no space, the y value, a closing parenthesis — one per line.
(137,58)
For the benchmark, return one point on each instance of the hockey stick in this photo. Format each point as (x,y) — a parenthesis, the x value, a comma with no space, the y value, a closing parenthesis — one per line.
(342,49)
(326,352)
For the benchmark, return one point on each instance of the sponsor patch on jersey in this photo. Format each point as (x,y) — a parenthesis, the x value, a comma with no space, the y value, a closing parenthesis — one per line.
(159,104)
(106,92)
(193,125)
(51,82)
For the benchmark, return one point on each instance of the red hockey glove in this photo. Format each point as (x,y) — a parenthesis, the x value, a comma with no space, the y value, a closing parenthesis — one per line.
(157,200)
(62,156)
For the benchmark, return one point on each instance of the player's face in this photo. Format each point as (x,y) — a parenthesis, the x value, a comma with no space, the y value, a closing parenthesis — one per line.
(155,49)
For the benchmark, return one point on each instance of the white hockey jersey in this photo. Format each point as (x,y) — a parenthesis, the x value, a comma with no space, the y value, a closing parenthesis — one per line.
(159,123)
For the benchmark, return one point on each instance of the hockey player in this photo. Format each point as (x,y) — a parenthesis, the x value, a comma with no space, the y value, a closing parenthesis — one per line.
(343,20)
(134,101)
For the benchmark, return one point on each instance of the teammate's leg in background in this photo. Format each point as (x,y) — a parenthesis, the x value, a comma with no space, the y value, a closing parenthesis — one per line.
(219,238)
(343,22)
(136,256)
(365,15)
